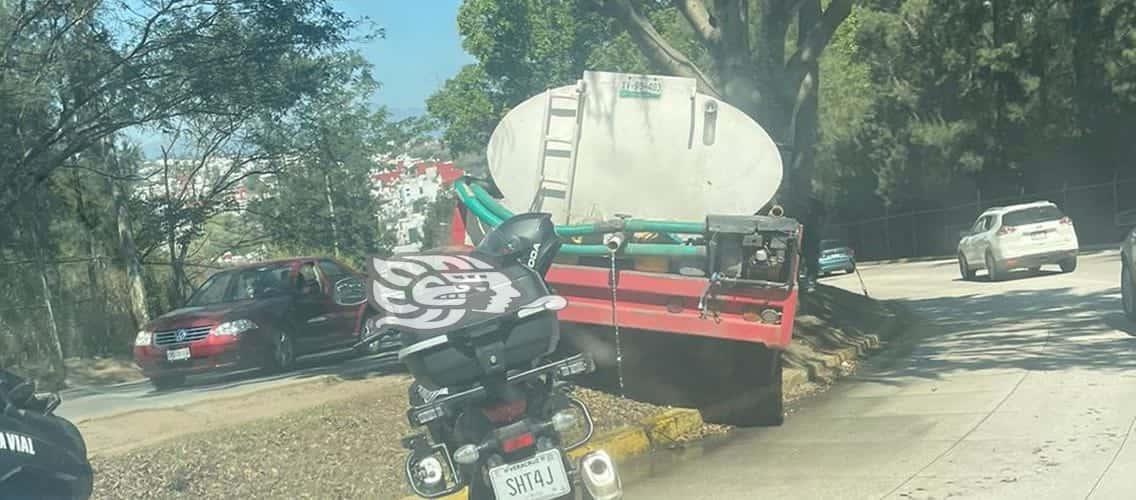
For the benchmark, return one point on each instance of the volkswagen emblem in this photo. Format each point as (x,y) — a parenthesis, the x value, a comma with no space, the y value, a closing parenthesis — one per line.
(181,334)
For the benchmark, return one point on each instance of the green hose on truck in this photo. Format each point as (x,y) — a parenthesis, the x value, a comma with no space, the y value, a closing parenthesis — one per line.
(487,209)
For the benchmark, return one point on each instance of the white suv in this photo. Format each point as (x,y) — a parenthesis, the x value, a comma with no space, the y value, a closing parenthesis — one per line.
(1028,235)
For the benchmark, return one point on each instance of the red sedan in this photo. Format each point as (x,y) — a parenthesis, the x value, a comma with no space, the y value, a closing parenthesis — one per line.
(259,315)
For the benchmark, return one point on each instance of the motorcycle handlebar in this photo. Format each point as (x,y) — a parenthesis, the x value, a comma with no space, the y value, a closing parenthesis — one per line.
(18,393)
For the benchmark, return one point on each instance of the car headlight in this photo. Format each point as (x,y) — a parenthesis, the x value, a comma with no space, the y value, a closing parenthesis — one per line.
(231,328)
(144,338)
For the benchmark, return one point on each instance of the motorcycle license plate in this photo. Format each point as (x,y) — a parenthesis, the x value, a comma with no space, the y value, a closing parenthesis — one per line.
(177,354)
(541,477)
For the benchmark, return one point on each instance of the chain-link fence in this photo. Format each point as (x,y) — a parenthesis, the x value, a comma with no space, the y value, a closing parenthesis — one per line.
(1102,213)
(82,302)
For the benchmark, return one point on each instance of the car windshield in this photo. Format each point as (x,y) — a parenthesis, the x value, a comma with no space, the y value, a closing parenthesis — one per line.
(261,282)
(1032,215)
(212,291)
(251,283)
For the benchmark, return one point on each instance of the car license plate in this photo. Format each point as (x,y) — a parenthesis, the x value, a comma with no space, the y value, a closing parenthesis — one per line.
(177,354)
(539,478)
(1040,235)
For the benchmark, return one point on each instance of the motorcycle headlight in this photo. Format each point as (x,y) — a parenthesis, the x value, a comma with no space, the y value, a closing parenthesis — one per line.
(232,328)
(429,471)
(144,338)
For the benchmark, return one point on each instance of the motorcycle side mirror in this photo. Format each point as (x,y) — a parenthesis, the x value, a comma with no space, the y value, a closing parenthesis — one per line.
(22,393)
(350,292)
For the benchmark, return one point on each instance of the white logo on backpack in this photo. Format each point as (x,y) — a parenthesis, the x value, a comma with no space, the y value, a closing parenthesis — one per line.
(18,443)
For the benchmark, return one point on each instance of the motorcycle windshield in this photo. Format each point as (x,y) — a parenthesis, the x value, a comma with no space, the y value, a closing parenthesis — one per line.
(441,292)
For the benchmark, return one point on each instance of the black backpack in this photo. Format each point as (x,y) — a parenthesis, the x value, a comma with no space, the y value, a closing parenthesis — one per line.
(41,455)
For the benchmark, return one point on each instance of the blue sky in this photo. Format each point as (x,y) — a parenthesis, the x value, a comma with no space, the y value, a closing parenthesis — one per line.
(422,48)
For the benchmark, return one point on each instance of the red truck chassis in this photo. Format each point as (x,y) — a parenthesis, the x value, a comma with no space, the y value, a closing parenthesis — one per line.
(667,303)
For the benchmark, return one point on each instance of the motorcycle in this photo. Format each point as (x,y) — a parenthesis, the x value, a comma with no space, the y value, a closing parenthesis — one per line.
(41,455)
(477,328)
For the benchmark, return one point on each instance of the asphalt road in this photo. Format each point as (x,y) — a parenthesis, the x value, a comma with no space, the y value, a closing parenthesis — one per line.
(88,403)
(1018,389)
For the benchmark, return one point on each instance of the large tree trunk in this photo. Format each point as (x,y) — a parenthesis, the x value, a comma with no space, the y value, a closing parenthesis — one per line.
(38,232)
(805,135)
(95,290)
(139,306)
(173,291)
(331,211)
(1088,73)
(779,93)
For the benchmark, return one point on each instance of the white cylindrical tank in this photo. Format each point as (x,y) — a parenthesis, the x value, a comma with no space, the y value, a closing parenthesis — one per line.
(641,145)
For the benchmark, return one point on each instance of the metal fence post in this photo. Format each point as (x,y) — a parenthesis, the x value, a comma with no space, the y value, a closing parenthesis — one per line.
(887,231)
(1115,195)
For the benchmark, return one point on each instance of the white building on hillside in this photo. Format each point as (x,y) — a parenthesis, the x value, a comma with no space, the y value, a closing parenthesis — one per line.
(408,191)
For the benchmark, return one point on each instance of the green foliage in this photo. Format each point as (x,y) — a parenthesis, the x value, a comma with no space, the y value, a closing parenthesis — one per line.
(523,47)
(320,202)
(266,86)
(968,96)
(467,110)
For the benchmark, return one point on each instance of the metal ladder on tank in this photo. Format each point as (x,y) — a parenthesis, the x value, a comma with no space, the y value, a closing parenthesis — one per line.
(562,105)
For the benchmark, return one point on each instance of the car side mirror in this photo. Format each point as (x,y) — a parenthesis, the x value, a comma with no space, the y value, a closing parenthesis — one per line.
(350,292)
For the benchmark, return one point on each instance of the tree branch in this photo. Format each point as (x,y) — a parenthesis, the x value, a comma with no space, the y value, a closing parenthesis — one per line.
(817,39)
(699,18)
(653,45)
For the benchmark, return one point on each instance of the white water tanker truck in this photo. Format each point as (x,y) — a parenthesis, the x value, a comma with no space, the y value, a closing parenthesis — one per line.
(677,281)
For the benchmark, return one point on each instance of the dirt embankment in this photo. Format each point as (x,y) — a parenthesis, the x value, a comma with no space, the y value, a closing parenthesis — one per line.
(340,438)
(329,439)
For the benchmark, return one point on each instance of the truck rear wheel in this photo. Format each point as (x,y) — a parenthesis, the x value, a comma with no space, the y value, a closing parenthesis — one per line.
(1069,265)
(760,403)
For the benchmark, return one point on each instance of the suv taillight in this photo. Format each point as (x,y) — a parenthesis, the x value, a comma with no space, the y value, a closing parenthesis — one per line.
(1067,221)
(1005,230)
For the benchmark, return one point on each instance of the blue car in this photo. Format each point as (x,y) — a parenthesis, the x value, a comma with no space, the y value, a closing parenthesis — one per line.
(835,255)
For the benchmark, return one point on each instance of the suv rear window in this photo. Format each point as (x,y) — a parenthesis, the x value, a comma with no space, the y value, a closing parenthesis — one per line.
(1032,215)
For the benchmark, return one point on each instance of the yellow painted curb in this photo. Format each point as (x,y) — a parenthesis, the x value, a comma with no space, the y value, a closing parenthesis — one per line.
(672,426)
(660,430)
(619,443)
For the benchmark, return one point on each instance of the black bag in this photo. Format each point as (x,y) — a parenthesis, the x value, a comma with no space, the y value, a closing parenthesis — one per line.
(41,455)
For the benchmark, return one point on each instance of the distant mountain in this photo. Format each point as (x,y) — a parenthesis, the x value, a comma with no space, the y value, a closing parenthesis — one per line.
(151,141)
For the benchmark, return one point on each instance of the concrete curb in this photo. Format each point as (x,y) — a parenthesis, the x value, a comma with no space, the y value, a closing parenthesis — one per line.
(659,431)
(286,384)
(672,427)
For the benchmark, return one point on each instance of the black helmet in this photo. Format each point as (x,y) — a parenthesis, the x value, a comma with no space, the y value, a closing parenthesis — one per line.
(529,239)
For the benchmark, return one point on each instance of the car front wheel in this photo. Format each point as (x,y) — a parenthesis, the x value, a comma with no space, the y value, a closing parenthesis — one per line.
(964,268)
